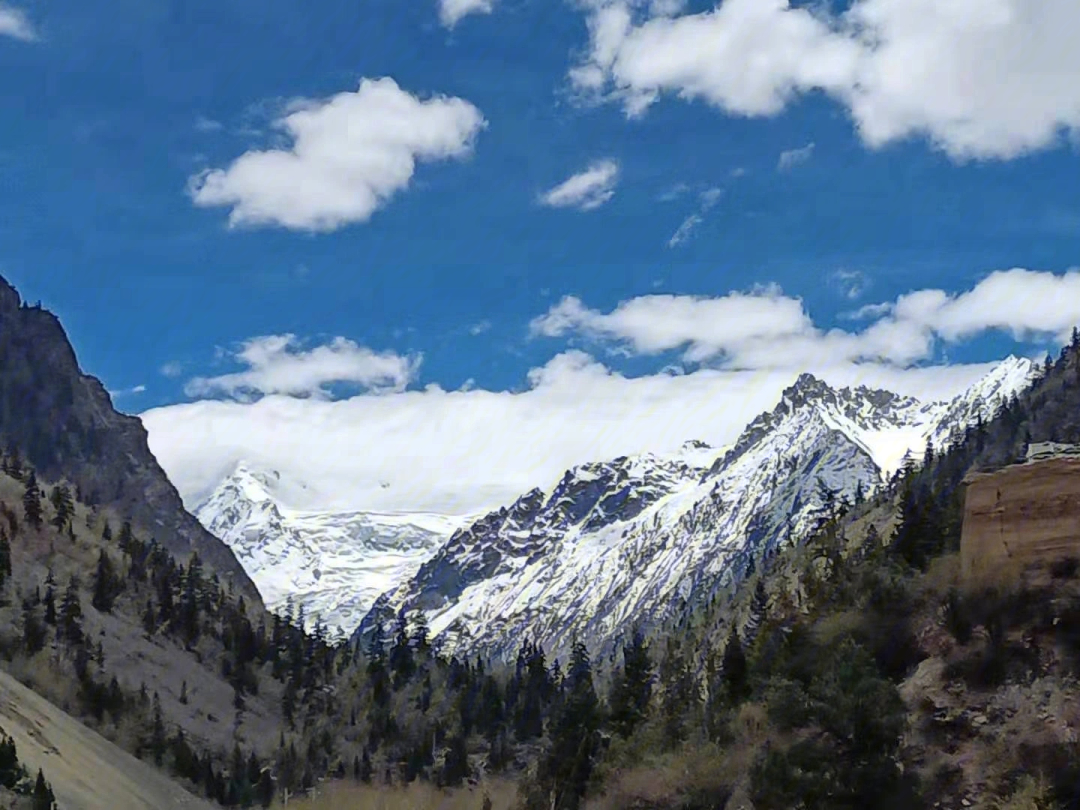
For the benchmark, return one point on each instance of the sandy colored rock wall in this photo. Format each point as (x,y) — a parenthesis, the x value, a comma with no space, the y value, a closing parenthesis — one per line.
(1023,514)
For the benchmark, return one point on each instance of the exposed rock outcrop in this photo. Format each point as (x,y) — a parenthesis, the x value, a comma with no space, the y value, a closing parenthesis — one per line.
(1020,515)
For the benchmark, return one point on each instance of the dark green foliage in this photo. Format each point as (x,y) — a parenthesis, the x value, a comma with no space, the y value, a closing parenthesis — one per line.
(632,690)
(957,618)
(5,557)
(69,625)
(33,629)
(32,501)
(11,772)
(734,670)
(107,584)
(455,768)
(42,798)
(850,762)
(64,507)
(566,766)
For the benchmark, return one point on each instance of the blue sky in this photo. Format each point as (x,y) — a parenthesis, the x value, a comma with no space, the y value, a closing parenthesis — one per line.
(896,180)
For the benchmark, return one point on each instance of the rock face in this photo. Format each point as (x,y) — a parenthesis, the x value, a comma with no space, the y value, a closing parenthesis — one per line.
(1020,515)
(64,424)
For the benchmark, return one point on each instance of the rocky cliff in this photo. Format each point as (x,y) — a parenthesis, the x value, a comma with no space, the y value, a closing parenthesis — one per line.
(1022,514)
(65,425)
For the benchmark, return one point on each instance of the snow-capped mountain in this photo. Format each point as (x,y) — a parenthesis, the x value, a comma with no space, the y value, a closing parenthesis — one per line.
(613,543)
(333,564)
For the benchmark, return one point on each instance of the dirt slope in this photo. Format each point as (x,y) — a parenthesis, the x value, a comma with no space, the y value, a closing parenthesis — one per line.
(87,771)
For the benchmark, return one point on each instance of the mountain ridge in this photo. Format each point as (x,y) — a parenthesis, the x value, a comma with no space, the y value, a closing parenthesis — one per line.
(549,568)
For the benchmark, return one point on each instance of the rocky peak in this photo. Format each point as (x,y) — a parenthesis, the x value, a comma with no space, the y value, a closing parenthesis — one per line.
(64,423)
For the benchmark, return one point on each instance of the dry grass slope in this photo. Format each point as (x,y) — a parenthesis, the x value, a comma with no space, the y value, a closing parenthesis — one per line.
(87,772)
(417,796)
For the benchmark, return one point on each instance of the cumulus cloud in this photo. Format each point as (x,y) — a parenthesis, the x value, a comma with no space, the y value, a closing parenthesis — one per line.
(15,23)
(790,158)
(991,79)
(451,12)
(585,190)
(349,155)
(767,329)
(278,364)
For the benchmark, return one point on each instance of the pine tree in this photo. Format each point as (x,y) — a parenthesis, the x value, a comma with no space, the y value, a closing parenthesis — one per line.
(157,732)
(5,557)
(106,584)
(33,631)
(632,690)
(568,764)
(735,669)
(43,798)
(32,501)
(60,498)
(70,624)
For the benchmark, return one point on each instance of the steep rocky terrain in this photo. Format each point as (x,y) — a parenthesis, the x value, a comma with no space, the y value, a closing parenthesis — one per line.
(86,771)
(64,423)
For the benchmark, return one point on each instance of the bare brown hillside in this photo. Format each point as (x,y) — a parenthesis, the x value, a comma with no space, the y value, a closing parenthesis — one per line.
(87,771)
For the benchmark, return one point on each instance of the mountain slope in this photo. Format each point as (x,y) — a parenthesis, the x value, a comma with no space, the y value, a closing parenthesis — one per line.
(333,565)
(65,424)
(87,772)
(627,541)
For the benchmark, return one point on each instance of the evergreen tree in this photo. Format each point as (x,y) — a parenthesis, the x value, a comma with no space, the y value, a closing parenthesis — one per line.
(568,763)
(70,624)
(106,584)
(157,732)
(32,501)
(33,630)
(42,798)
(5,557)
(60,498)
(734,669)
(632,690)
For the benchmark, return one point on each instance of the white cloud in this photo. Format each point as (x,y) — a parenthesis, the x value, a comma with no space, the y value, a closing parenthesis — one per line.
(707,199)
(790,158)
(685,230)
(349,155)
(277,364)
(585,190)
(991,79)
(451,12)
(203,124)
(125,392)
(480,327)
(766,329)
(172,370)
(15,23)
(460,452)
(851,283)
